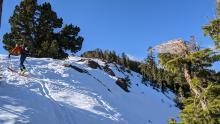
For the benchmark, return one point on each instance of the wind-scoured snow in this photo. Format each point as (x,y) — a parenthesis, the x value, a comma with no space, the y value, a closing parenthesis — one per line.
(55,94)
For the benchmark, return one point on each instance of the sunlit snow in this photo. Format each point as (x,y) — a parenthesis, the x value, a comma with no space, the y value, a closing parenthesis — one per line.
(54,94)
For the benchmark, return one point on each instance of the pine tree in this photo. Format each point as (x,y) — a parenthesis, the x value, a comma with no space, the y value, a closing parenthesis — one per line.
(23,24)
(47,22)
(213,29)
(203,105)
(38,27)
(70,39)
(149,68)
(112,57)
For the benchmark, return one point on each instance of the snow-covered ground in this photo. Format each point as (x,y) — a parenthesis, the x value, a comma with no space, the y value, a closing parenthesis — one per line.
(54,94)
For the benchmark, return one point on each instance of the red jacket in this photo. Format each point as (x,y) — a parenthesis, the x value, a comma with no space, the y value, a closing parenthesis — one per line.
(17,50)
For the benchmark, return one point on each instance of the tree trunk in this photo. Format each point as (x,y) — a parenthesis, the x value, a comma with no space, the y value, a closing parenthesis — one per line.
(197,92)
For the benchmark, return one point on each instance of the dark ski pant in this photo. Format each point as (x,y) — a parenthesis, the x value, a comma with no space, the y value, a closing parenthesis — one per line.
(22,59)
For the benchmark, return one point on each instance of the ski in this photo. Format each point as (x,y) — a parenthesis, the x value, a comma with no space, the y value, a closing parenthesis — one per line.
(19,73)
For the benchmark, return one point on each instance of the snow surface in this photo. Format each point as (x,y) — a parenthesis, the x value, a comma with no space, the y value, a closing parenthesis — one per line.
(54,94)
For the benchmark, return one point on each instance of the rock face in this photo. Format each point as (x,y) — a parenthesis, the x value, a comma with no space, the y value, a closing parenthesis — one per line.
(108,70)
(76,68)
(92,64)
(81,60)
(123,84)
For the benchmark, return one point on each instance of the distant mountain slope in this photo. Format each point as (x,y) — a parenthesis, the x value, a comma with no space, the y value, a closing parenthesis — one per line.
(79,91)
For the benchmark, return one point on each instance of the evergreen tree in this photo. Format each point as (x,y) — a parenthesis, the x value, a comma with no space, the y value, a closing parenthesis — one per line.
(157,76)
(148,69)
(204,103)
(38,27)
(112,57)
(199,108)
(47,21)
(213,28)
(124,59)
(23,24)
(70,39)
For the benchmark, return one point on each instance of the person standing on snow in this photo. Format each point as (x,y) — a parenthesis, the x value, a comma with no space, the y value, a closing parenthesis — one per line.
(23,51)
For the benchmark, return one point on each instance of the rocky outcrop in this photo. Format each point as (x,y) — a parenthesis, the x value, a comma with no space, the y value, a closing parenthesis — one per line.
(123,84)
(76,68)
(81,60)
(92,64)
(108,70)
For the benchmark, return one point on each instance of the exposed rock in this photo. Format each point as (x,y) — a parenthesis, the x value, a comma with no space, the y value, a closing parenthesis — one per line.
(108,70)
(81,60)
(122,68)
(123,84)
(86,72)
(76,68)
(129,71)
(93,64)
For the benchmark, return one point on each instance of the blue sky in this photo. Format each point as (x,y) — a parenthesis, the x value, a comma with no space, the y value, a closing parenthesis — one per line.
(129,26)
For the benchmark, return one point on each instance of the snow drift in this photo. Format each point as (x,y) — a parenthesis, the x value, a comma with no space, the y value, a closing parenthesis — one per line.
(71,92)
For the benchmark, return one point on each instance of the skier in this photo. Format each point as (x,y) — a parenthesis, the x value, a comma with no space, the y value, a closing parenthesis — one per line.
(23,51)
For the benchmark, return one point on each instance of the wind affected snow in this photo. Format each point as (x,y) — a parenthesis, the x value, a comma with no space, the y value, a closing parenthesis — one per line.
(54,94)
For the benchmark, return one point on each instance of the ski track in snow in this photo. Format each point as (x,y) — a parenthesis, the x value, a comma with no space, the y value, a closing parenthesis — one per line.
(54,94)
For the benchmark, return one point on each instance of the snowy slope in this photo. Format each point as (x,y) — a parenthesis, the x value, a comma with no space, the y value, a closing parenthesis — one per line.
(54,94)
